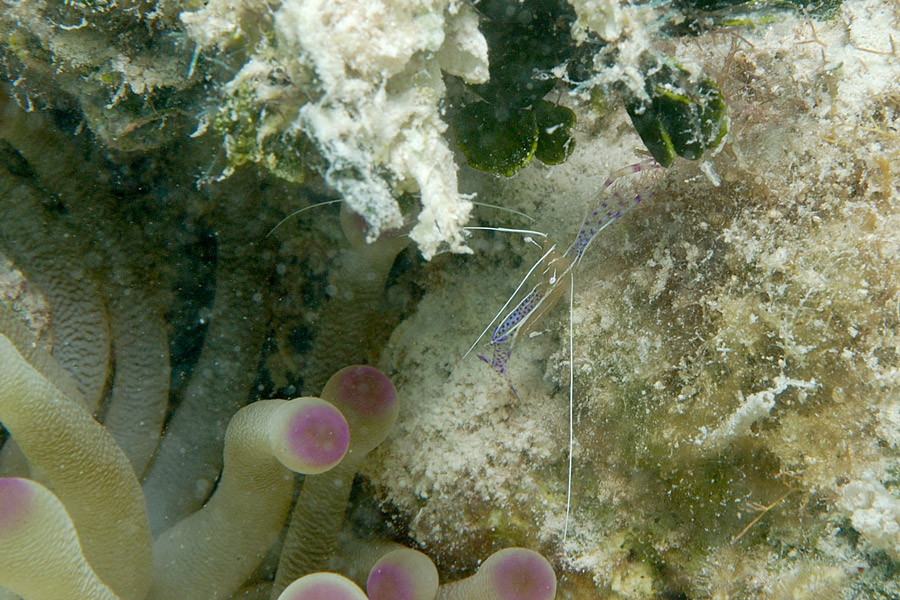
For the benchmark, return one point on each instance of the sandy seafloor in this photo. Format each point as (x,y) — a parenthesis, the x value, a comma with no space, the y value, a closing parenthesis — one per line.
(736,345)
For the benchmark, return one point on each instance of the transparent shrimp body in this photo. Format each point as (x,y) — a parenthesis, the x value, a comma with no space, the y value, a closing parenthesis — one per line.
(551,275)
(531,308)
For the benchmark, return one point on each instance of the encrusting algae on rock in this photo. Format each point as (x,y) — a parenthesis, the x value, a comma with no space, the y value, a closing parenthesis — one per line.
(736,347)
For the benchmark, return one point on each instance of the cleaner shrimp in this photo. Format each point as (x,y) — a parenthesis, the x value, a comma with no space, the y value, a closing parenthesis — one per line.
(547,279)
(546,283)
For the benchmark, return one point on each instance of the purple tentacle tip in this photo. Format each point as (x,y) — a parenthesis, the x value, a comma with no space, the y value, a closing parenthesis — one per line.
(366,390)
(322,586)
(318,436)
(15,498)
(389,581)
(520,574)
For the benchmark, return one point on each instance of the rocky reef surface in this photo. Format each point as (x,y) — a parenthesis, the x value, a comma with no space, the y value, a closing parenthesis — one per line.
(735,343)
(736,335)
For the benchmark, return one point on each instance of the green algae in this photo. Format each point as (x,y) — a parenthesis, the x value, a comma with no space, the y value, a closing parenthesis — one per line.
(503,140)
(500,143)
(681,116)
(556,140)
(525,41)
(702,15)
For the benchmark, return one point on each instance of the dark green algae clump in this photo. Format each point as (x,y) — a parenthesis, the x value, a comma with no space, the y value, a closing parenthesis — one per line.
(529,47)
(502,140)
(707,15)
(510,123)
(680,116)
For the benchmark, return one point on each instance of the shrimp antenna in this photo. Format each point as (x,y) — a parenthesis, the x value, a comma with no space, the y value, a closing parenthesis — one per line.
(504,208)
(297,212)
(507,230)
(571,405)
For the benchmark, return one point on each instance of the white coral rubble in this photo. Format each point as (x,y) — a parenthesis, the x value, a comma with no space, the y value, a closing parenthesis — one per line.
(371,75)
(874,512)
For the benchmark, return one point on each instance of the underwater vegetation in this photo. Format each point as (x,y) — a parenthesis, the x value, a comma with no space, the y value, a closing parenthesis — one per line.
(735,347)
(504,146)
(705,15)
(679,117)
(512,123)
(736,335)
(293,86)
(531,51)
